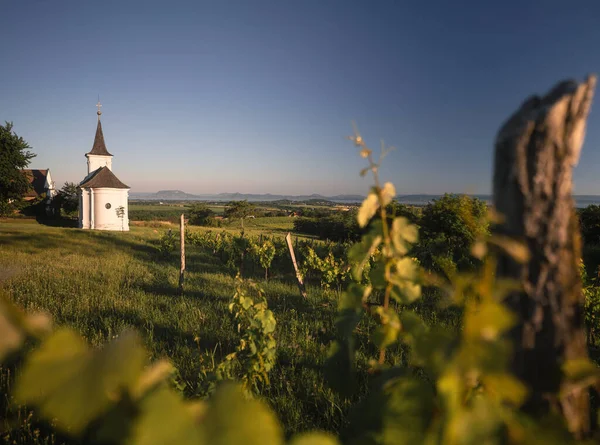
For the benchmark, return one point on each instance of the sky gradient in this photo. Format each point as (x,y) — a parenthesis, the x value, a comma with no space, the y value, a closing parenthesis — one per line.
(257,96)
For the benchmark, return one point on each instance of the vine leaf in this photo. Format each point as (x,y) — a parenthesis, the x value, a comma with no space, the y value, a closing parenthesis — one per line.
(68,381)
(367,209)
(16,325)
(581,371)
(387,332)
(165,418)
(360,253)
(387,193)
(11,337)
(398,411)
(340,367)
(505,388)
(403,234)
(232,419)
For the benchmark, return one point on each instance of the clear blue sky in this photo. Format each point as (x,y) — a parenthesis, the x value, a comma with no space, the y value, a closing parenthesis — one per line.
(257,96)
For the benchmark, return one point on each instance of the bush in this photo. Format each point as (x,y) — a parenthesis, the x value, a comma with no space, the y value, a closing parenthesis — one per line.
(591,293)
(201,215)
(167,244)
(342,227)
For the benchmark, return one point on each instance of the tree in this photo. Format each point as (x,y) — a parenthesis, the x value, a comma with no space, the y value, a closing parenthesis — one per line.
(200,215)
(449,226)
(14,157)
(68,198)
(395,209)
(238,209)
(589,221)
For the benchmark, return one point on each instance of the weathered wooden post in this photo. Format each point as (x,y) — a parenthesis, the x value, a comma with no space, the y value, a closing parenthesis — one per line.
(182,241)
(301,287)
(536,150)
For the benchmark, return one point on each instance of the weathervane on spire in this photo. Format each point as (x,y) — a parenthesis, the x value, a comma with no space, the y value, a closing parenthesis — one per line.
(99,105)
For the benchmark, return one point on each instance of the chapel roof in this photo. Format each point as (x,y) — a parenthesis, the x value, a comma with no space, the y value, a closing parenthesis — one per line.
(103,178)
(99,147)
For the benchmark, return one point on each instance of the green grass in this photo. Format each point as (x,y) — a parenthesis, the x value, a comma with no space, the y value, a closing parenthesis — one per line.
(218,209)
(268,225)
(274,225)
(101,283)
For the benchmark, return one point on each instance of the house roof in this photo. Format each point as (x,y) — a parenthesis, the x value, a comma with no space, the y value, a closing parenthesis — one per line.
(103,178)
(37,179)
(99,147)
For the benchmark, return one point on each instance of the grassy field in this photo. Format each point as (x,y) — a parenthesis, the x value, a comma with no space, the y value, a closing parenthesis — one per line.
(274,225)
(218,209)
(101,283)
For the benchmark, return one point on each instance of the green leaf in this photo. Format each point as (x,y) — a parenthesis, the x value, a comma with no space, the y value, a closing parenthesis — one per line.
(367,209)
(152,377)
(16,326)
(377,275)
(581,370)
(432,349)
(481,424)
(403,233)
(505,388)
(514,248)
(232,419)
(387,333)
(387,193)
(165,418)
(399,411)
(11,337)
(407,268)
(340,372)
(314,439)
(267,321)
(353,297)
(412,324)
(409,411)
(73,384)
(487,320)
(346,321)
(405,292)
(360,253)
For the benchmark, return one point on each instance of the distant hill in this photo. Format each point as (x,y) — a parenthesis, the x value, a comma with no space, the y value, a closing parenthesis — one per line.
(178,195)
(316,199)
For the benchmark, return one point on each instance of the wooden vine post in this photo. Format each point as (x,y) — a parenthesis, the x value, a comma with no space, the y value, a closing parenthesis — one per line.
(182,241)
(535,152)
(301,287)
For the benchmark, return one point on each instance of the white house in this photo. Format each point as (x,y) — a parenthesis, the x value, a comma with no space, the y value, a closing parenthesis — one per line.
(41,184)
(102,196)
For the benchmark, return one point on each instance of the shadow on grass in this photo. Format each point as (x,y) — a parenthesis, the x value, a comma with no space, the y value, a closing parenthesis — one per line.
(156,332)
(57,221)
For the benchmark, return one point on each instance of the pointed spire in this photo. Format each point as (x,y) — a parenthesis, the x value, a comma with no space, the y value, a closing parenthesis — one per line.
(99,147)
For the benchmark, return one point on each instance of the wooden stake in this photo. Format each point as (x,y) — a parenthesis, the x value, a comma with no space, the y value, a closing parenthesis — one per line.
(288,239)
(536,150)
(182,270)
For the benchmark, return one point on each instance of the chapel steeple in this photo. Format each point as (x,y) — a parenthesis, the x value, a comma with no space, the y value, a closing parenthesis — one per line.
(99,147)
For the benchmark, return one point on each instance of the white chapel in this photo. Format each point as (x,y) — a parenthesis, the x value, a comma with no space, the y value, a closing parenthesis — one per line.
(102,196)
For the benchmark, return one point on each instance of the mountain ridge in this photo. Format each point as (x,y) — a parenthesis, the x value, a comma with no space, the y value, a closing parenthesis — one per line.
(411,199)
(167,195)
